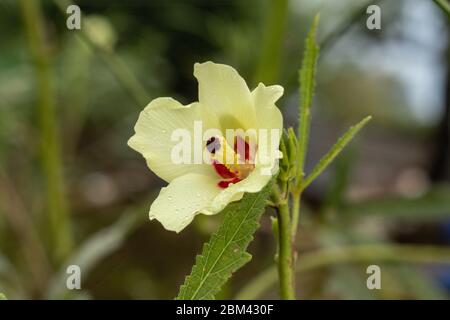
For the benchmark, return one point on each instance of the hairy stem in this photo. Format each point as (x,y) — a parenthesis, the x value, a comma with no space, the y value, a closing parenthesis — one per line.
(285,253)
(296,195)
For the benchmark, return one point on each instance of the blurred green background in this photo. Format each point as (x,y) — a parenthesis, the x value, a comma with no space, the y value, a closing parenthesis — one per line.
(73,192)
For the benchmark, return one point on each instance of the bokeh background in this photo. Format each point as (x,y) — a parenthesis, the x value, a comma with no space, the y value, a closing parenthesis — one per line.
(73,192)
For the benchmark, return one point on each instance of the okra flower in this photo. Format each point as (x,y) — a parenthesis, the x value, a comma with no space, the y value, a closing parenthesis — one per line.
(212,151)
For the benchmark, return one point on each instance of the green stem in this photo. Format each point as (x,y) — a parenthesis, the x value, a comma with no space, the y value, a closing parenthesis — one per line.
(296,195)
(60,235)
(285,253)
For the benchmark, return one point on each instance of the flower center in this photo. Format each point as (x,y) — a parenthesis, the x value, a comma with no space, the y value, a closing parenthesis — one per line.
(232,164)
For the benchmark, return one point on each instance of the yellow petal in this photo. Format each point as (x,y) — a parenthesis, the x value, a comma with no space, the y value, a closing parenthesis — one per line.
(253,183)
(268,116)
(222,89)
(153,137)
(186,196)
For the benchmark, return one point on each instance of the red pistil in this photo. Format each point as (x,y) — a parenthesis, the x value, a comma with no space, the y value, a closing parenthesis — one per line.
(223,171)
(226,183)
(227,174)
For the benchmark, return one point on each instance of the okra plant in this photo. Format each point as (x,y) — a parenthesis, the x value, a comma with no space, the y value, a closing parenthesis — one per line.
(229,153)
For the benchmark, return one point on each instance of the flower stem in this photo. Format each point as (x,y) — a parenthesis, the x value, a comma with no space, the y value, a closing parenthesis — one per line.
(295,213)
(285,253)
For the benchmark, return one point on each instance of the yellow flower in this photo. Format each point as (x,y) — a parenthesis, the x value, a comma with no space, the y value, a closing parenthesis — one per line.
(236,152)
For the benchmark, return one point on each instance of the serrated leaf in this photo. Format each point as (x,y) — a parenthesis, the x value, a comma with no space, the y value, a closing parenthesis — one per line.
(226,251)
(307,76)
(334,151)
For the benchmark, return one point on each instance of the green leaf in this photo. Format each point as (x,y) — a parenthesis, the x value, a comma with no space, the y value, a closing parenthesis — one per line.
(2,296)
(334,151)
(226,251)
(307,76)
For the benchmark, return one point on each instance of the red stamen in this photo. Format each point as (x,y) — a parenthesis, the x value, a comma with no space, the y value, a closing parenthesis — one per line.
(223,171)
(226,183)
